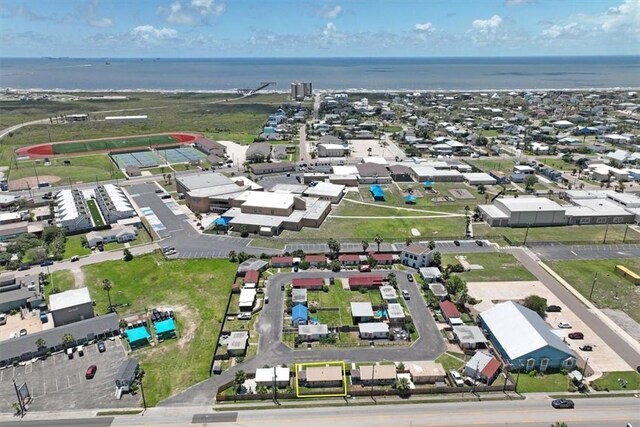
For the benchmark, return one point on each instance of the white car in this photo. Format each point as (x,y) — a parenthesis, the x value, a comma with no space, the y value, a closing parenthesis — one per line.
(405,294)
(456,378)
(564,325)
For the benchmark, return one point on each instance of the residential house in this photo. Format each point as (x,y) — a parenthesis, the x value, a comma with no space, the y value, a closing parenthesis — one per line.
(361,312)
(268,377)
(388,294)
(314,260)
(312,332)
(247,299)
(299,296)
(365,281)
(349,259)
(251,279)
(395,313)
(321,376)
(524,340)
(281,261)
(439,291)
(416,256)
(450,313)
(299,315)
(469,337)
(373,330)
(374,375)
(116,233)
(382,259)
(425,372)
(430,274)
(237,343)
(482,367)
(313,283)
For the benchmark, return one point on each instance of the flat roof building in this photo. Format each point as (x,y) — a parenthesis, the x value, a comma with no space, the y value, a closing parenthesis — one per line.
(71,306)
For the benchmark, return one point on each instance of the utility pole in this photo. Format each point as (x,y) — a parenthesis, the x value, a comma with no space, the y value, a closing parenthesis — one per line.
(144,401)
(22,409)
(593,284)
(625,233)
(526,234)
(606,230)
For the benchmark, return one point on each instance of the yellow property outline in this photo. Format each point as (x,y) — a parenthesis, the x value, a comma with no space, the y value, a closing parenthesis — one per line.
(297,367)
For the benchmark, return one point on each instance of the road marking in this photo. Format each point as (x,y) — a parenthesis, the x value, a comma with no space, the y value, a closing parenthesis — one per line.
(575,254)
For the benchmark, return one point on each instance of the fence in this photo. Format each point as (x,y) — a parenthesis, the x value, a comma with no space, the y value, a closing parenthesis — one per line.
(215,350)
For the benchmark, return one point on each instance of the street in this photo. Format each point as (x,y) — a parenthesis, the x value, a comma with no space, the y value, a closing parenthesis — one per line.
(537,411)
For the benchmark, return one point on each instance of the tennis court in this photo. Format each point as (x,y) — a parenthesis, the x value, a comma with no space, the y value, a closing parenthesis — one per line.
(142,159)
(180,155)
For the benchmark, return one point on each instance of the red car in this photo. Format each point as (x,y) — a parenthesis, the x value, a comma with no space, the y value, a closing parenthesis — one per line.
(576,335)
(91,372)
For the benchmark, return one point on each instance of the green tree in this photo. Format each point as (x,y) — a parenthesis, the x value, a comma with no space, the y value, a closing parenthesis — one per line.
(481,189)
(402,385)
(378,240)
(432,244)
(107,286)
(127,255)
(530,181)
(67,339)
(365,246)
(262,389)
(436,259)
(239,379)
(561,424)
(334,247)
(537,304)
(455,285)
(41,343)
(233,257)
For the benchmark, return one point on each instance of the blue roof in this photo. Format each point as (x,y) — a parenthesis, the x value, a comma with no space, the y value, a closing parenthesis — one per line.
(165,326)
(137,334)
(299,311)
(222,221)
(410,198)
(376,191)
(428,183)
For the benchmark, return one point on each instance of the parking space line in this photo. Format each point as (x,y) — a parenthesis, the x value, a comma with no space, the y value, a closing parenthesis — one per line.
(57,384)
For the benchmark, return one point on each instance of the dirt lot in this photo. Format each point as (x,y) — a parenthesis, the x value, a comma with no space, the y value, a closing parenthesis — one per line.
(32,182)
(602,358)
(59,382)
(359,148)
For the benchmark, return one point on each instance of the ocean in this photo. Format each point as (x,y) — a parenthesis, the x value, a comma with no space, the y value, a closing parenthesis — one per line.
(353,74)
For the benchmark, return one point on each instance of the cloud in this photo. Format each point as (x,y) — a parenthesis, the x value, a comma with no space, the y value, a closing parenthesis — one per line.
(148,34)
(554,31)
(330,12)
(101,22)
(25,12)
(511,3)
(193,12)
(426,27)
(485,31)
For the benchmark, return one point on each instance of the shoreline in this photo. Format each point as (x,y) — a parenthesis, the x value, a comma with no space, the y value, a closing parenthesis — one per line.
(9,91)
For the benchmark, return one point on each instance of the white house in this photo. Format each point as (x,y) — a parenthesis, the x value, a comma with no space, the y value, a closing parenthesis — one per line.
(373,330)
(416,256)
(117,233)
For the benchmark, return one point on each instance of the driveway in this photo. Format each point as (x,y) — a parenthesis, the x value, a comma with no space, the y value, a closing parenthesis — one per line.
(272,351)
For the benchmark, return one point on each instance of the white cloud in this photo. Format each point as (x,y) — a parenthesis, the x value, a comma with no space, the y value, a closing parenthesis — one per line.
(332,12)
(329,29)
(147,34)
(208,7)
(177,15)
(193,12)
(555,31)
(484,31)
(510,3)
(101,22)
(426,27)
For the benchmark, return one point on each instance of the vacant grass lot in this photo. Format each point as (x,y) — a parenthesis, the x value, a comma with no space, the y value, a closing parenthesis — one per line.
(542,383)
(611,290)
(197,290)
(450,362)
(497,163)
(610,381)
(578,234)
(74,247)
(556,163)
(97,167)
(62,280)
(497,267)
(341,299)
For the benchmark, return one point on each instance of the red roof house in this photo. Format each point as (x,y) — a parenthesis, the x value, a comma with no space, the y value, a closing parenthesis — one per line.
(365,281)
(282,261)
(308,282)
(315,259)
(384,259)
(347,259)
(449,311)
(251,277)
(491,369)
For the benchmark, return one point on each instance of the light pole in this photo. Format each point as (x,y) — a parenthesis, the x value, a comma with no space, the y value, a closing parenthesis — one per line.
(144,401)
(526,234)
(593,284)
(606,230)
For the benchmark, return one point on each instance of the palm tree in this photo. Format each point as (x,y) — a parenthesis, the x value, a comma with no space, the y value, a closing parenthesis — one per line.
(334,247)
(41,343)
(67,339)
(232,256)
(107,286)
(378,240)
(365,245)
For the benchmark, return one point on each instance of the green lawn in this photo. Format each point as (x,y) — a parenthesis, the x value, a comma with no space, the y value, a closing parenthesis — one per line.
(610,381)
(577,234)
(341,299)
(543,383)
(113,144)
(489,133)
(62,280)
(497,163)
(392,129)
(265,242)
(611,290)
(91,168)
(497,267)
(197,290)
(557,163)
(95,213)
(74,247)
(450,362)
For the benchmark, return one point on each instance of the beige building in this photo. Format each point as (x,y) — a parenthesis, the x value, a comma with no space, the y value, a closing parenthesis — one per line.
(425,371)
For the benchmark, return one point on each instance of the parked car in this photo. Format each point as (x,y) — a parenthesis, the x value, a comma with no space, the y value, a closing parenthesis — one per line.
(576,335)
(563,404)
(332,280)
(456,378)
(564,325)
(80,350)
(3,319)
(456,242)
(24,267)
(75,258)
(91,372)
(405,294)
(244,316)
(586,347)
(23,332)
(410,277)
(554,309)
(266,300)
(159,190)
(101,347)
(479,242)
(46,263)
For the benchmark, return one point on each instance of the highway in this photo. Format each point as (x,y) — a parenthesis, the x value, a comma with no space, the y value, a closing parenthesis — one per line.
(537,411)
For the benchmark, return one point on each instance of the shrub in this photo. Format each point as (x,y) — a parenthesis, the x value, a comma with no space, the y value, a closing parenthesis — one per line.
(533,373)
(563,371)
(325,288)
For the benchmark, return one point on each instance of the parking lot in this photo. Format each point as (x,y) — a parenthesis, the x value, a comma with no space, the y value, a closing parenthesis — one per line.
(59,382)
(602,358)
(465,246)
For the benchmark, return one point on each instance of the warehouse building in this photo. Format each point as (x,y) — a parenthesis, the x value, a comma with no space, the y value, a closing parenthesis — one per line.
(523,212)
(211,192)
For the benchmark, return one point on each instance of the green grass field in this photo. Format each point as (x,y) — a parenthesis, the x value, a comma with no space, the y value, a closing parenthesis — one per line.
(540,384)
(197,290)
(610,381)
(489,133)
(611,290)
(96,167)
(497,267)
(95,213)
(112,144)
(498,163)
(74,247)
(450,362)
(392,129)
(341,299)
(62,280)
(557,163)
(576,233)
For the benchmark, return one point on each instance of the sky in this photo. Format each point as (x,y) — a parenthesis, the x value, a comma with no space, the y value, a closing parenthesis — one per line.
(318,28)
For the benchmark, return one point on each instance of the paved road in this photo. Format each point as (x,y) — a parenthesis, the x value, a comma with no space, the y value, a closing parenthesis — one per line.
(10,129)
(620,346)
(304,150)
(568,252)
(536,412)
(448,246)
(271,350)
